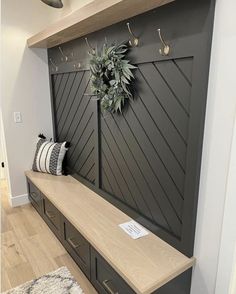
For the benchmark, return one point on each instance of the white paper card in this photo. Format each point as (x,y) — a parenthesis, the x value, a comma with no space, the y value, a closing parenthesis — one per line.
(134,229)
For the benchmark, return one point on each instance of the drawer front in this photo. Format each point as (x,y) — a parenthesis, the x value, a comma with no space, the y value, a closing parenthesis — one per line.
(52,217)
(35,197)
(104,277)
(77,246)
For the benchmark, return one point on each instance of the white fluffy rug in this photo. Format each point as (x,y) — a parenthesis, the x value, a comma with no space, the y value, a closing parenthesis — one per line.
(58,282)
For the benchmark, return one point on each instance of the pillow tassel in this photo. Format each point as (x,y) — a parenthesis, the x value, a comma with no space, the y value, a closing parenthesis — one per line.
(41,136)
(67,145)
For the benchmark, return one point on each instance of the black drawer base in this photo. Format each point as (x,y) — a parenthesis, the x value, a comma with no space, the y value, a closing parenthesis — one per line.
(77,246)
(104,278)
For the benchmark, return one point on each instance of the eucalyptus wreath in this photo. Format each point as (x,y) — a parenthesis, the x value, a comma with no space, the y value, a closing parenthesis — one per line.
(111,76)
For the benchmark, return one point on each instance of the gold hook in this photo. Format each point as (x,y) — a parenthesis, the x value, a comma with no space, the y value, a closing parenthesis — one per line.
(63,55)
(56,67)
(135,41)
(90,47)
(166,48)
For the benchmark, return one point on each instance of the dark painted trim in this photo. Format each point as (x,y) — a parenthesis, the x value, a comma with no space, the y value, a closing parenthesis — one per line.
(52,107)
(97,144)
(198,109)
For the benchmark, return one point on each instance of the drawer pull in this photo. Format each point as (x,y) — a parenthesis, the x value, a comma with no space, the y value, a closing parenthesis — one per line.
(105,284)
(75,246)
(33,195)
(50,214)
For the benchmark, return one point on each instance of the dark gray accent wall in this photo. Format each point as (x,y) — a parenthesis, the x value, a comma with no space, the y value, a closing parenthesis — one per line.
(75,120)
(143,151)
(146,161)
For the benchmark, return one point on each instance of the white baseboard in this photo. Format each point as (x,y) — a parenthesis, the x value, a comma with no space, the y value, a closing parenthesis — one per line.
(19,200)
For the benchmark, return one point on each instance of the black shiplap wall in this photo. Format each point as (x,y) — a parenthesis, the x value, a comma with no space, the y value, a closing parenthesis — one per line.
(147,160)
(143,151)
(74,121)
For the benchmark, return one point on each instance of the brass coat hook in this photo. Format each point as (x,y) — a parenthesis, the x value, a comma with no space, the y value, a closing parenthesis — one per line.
(166,48)
(54,65)
(63,55)
(92,50)
(135,40)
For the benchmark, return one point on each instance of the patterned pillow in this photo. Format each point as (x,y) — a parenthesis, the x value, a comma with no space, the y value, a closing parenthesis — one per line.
(49,156)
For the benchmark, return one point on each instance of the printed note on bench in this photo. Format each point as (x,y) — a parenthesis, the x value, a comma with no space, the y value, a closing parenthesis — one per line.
(134,229)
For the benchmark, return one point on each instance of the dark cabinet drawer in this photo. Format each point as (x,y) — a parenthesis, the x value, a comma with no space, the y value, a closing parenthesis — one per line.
(35,197)
(52,217)
(77,246)
(104,277)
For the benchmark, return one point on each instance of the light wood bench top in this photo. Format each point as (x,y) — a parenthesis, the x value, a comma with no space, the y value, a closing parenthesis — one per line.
(145,264)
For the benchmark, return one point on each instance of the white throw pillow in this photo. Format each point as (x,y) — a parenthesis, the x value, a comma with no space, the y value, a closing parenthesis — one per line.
(49,156)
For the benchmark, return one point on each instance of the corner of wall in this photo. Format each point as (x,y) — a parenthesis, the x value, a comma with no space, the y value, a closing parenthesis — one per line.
(19,200)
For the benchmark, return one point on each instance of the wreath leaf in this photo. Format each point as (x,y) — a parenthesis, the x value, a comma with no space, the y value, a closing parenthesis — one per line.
(111,77)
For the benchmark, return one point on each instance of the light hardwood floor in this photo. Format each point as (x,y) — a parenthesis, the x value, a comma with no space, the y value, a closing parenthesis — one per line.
(29,249)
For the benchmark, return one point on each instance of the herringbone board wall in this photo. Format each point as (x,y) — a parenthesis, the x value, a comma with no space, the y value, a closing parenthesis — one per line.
(146,161)
(74,116)
(142,151)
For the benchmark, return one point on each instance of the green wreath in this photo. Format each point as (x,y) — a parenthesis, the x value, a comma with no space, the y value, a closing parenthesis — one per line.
(111,77)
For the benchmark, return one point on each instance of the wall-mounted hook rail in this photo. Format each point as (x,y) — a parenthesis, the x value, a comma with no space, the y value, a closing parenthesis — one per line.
(63,55)
(135,40)
(54,65)
(92,50)
(77,65)
(166,48)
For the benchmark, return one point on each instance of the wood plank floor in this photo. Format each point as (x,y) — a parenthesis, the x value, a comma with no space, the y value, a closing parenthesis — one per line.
(29,249)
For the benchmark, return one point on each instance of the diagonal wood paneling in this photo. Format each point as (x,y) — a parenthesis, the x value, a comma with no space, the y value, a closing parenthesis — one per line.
(74,121)
(143,151)
(147,160)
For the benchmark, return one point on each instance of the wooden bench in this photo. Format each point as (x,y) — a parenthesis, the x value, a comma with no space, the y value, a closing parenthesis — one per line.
(87,225)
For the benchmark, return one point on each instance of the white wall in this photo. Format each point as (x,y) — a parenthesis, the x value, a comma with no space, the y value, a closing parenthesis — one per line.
(25,86)
(70,6)
(3,156)
(226,276)
(75,4)
(232,286)
(221,107)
